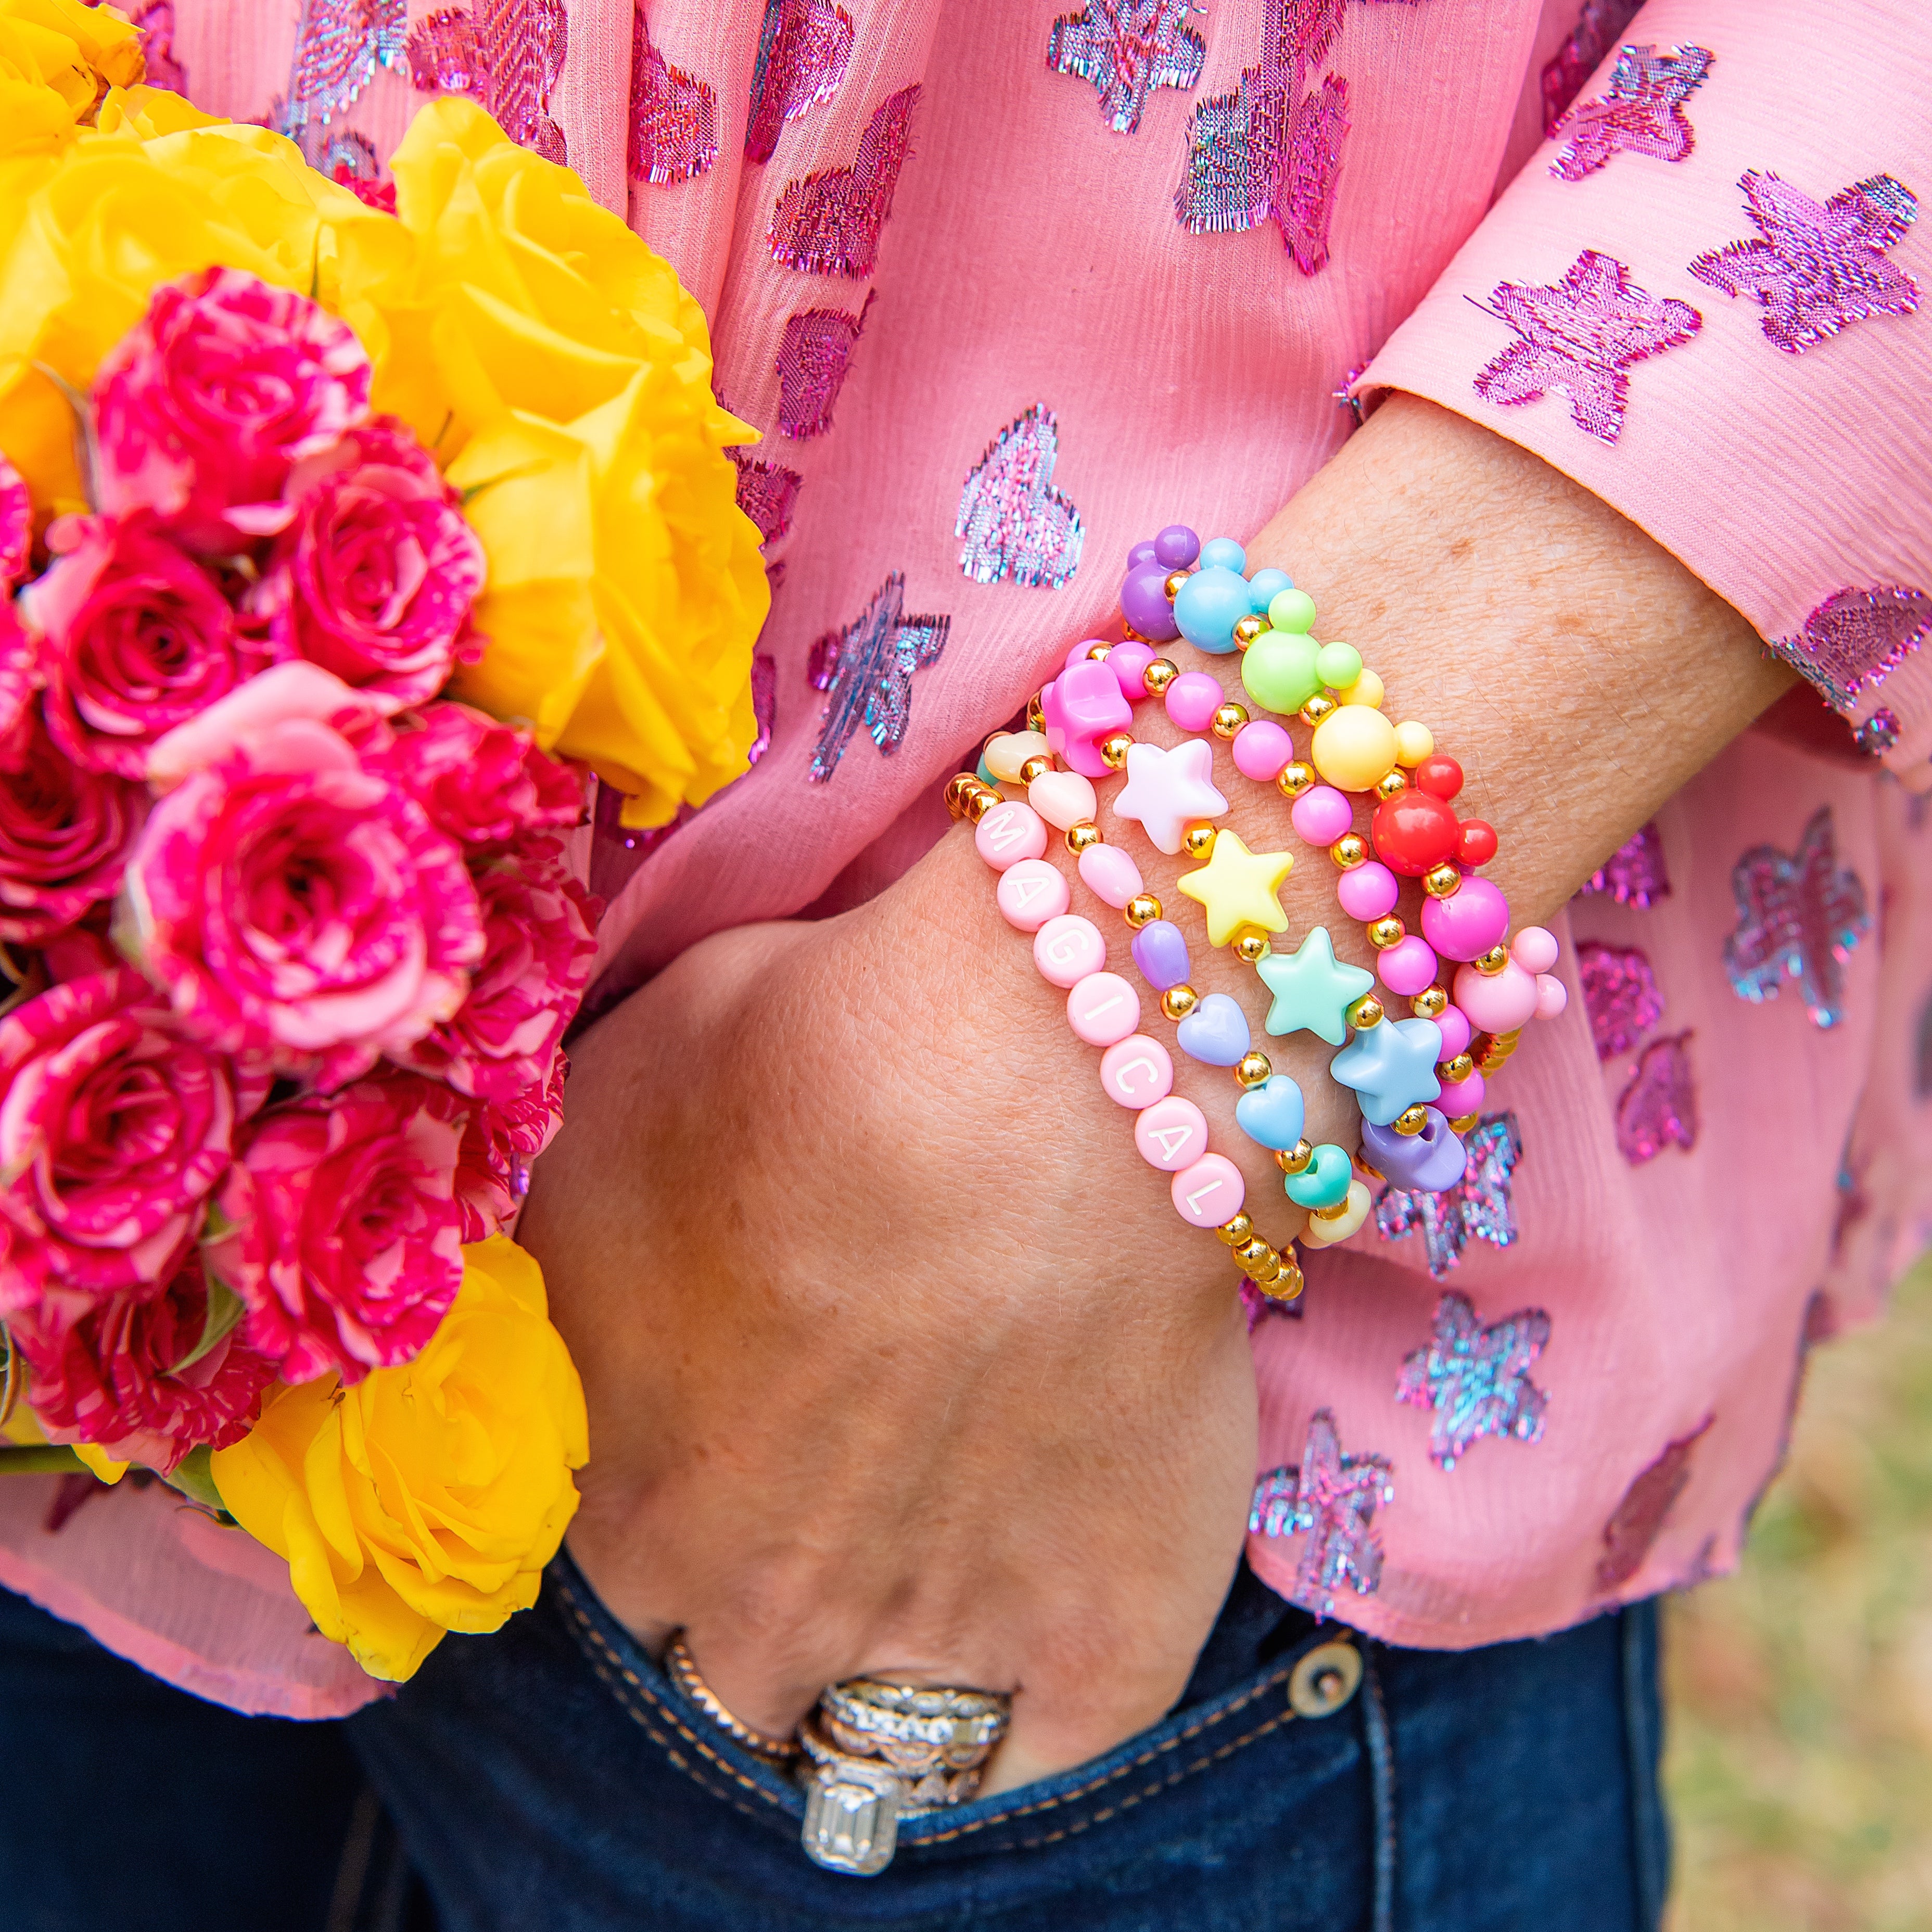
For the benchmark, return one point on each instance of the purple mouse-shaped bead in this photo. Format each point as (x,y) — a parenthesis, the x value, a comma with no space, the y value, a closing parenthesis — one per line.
(1144,604)
(1423,1163)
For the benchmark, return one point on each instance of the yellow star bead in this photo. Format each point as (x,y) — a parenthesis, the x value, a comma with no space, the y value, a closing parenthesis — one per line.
(1237,887)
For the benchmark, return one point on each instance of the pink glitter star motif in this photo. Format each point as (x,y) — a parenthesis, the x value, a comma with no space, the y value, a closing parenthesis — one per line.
(674,130)
(767,493)
(804,46)
(1476,1378)
(1477,1208)
(866,670)
(1634,874)
(1580,335)
(1658,1107)
(813,354)
(1855,638)
(1016,525)
(1641,112)
(829,224)
(339,45)
(1818,269)
(1331,1499)
(1799,918)
(1621,992)
(507,54)
(1127,48)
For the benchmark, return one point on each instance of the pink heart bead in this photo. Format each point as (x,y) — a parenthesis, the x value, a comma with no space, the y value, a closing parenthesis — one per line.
(1137,1072)
(1081,706)
(1467,925)
(1103,1008)
(1009,833)
(1209,1193)
(1067,949)
(1407,967)
(1062,799)
(1500,1004)
(1111,875)
(1031,893)
(1170,1134)
(1263,751)
(1193,698)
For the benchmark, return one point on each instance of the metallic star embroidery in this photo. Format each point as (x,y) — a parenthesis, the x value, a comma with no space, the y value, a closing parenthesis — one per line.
(803,48)
(1313,989)
(507,55)
(829,224)
(1476,1379)
(1016,526)
(1818,269)
(1128,48)
(866,669)
(1634,874)
(1580,335)
(673,127)
(1621,992)
(339,45)
(1237,888)
(1391,1066)
(1855,638)
(1635,1523)
(1658,1106)
(1331,1499)
(814,356)
(1799,918)
(767,493)
(1168,791)
(1599,26)
(1641,112)
(1478,1207)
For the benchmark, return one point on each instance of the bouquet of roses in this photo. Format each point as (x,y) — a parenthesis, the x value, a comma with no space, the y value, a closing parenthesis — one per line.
(289,935)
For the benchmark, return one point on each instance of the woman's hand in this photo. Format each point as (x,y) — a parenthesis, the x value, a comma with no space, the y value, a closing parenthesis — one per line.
(898,1358)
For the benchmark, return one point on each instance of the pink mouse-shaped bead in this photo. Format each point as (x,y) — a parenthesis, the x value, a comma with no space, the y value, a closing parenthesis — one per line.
(1500,1003)
(1082,706)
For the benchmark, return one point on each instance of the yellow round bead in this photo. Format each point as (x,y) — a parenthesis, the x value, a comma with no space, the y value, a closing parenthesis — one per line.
(1114,750)
(1197,841)
(1317,708)
(1035,768)
(1159,675)
(1177,1002)
(1413,742)
(1454,1073)
(1366,1013)
(1366,691)
(1350,850)
(1237,1230)
(1253,1070)
(1353,747)
(1253,947)
(1384,933)
(1143,909)
(1412,1120)
(1431,1004)
(1172,586)
(1294,1159)
(983,802)
(1082,835)
(1295,779)
(1287,1285)
(959,788)
(1229,719)
(1442,882)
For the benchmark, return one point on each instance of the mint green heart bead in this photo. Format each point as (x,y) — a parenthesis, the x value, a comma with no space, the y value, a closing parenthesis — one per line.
(1291,610)
(1279,668)
(1324,1182)
(1339,665)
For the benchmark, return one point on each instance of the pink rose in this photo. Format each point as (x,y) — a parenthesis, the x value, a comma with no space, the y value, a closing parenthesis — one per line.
(19,668)
(64,834)
(204,406)
(292,901)
(537,948)
(374,578)
(283,691)
(345,1238)
(481,783)
(114,1131)
(138,638)
(16,526)
(493,1170)
(112,1377)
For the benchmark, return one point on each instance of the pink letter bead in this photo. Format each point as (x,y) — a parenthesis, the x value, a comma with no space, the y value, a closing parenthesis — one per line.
(1032,892)
(1103,1008)
(1465,1097)
(1170,1134)
(1367,892)
(1067,949)
(1111,875)
(1209,1193)
(1406,967)
(1193,698)
(1498,1005)
(1322,815)
(1137,1072)
(1129,662)
(1453,1025)
(1466,925)
(1263,751)
(1009,833)
(1551,996)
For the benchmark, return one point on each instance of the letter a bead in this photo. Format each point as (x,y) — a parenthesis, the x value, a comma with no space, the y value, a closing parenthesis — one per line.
(1170,1134)
(1209,1192)
(1137,1072)
(1031,893)
(1103,1008)
(1067,949)
(1009,833)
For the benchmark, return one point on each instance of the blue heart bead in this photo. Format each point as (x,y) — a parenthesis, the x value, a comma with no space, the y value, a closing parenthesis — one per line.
(1215,1033)
(1423,1163)
(1271,1115)
(1324,1182)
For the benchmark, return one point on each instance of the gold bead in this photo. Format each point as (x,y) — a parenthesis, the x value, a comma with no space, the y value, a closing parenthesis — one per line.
(1247,629)
(1197,841)
(1412,1120)
(1267,1274)
(1368,1171)
(1036,717)
(1098,652)
(1132,636)
(1228,719)
(1252,947)
(1491,1049)
(983,802)
(1253,1251)
(1366,1013)
(1035,767)
(1431,1004)
(1317,708)
(1442,882)
(958,788)
(1392,784)
(1238,1230)
(1454,1073)
(1253,1070)
(1114,750)
(1492,962)
(1177,1002)
(1334,1213)
(1159,675)
(1175,579)
(1290,1285)
(1349,851)
(1462,1123)
(1143,909)
(1385,932)
(1296,1158)
(1082,835)
(1295,779)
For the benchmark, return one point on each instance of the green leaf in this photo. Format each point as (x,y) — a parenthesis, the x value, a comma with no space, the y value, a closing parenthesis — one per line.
(225,1308)
(38,1458)
(194,1477)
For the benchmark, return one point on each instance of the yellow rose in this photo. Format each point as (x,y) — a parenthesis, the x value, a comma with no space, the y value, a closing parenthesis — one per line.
(108,42)
(427,1498)
(45,84)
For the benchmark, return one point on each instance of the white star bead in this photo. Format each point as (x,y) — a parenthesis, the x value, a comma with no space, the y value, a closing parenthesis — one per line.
(1168,791)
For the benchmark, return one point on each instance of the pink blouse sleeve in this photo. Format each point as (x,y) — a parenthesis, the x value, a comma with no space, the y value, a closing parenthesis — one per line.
(1699,298)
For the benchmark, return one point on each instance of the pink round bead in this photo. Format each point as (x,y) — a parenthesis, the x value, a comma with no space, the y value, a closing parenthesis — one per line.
(1367,892)
(1103,1008)
(1193,698)
(1465,1097)
(1408,966)
(1137,1072)
(1467,925)
(1453,1025)
(1498,1005)
(1111,875)
(1076,653)
(1551,996)
(1533,950)
(1263,751)
(1067,949)
(1129,662)
(1032,892)
(1209,1193)
(1322,815)
(1009,833)
(1170,1134)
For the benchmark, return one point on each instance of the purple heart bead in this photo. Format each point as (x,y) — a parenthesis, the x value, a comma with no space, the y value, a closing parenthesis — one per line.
(1160,951)
(1215,1033)
(1423,1163)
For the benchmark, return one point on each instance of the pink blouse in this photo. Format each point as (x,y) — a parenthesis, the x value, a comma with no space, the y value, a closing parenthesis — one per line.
(991,280)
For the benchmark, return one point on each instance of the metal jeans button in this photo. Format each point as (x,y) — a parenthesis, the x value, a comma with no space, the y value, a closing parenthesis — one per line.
(1324,1680)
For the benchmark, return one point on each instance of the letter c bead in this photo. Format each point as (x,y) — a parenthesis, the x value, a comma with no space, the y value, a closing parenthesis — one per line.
(1009,833)
(1170,1134)
(1137,1072)
(1103,1008)
(1209,1192)
(1067,949)
(1031,892)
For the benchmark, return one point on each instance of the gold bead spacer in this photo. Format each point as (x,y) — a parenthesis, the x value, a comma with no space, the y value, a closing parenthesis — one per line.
(1392,784)
(1387,932)
(1143,909)
(1442,882)
(1037,766)
(1247,629)
(1334,1213)
(1159,675)
(1366,1013)
(1491,1049)
(1036,717)
(959,788)
(1252,947)
(1295,779)
(1454,1073)
(1491,963)
(1082,835)
(1431,1004)
(1098,652)
(1411,1120)
(1177,1002)
(1295,1159)
(1129,633)
(1176,578)
(1253,1070)
(1238,1230)
(1114,750)
(1197,841)
(1228,719)
(1288,1287)
(1317,708)
(1463,1123)
(1350,850)
(1253,1251)
(983,802)
(1369,1171)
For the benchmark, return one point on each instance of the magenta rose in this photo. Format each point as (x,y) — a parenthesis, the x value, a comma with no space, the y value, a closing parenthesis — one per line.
(493,1168)
(64,834)
(114,1132)
(136,637)
(19,668)
(481,783)
(345,1239)
(16,526)
(203,408)
(293,901)
(120,1377)
(374,578)
(537,949)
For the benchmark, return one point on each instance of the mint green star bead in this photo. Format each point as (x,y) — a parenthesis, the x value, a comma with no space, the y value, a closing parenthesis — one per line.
(1278,668)
(1339,665)
(1313,989)
(1291,610)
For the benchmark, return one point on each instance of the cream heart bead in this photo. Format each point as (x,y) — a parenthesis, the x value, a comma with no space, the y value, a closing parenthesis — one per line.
(1006,752)
(1323,1231)
(1062,798)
